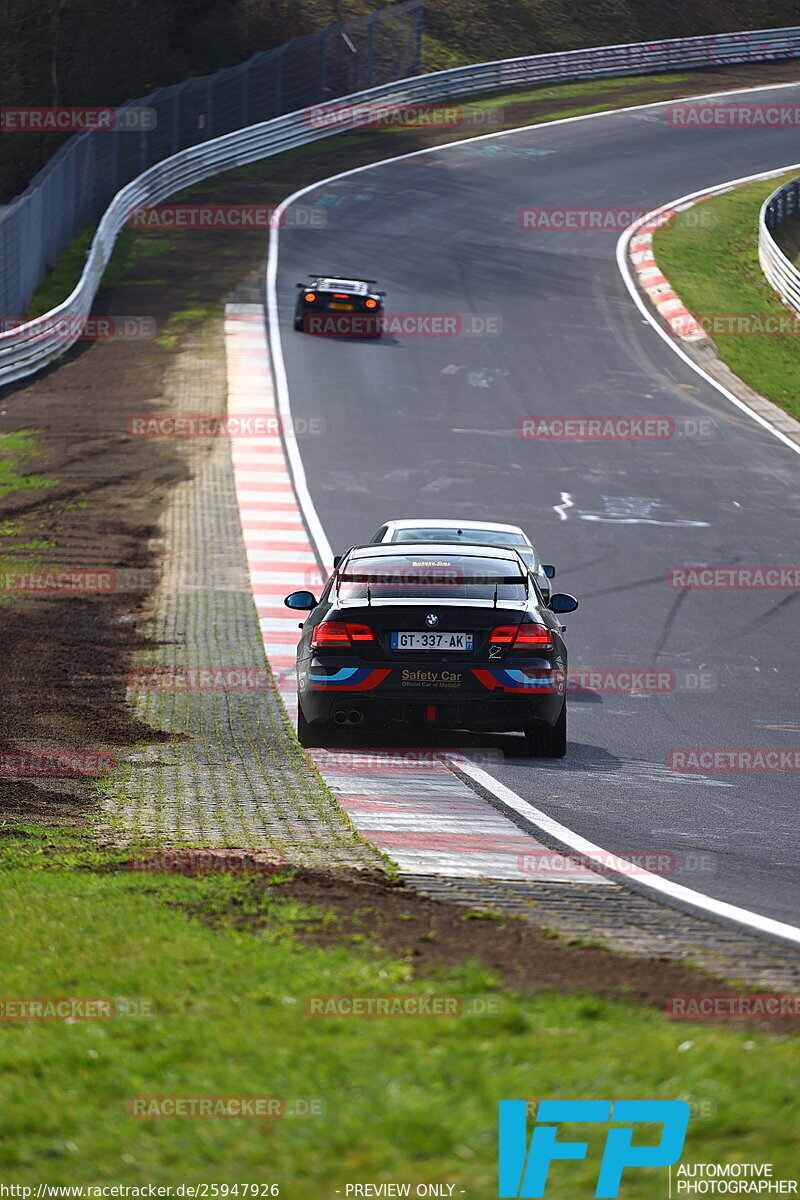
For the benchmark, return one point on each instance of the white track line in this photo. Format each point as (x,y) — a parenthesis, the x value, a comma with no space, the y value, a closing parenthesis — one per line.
(504,795)
(674,891)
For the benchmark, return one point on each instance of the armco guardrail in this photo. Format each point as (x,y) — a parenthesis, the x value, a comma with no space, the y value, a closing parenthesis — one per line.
(28,347)
(782,274)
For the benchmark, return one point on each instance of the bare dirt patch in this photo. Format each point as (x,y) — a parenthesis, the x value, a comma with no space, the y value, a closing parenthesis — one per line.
(432,934)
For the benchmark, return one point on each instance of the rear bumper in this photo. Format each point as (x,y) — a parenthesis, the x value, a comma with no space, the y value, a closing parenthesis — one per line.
(480,696)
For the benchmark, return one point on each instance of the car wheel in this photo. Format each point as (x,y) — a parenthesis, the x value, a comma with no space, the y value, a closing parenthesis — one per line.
(298,324)
(548,741)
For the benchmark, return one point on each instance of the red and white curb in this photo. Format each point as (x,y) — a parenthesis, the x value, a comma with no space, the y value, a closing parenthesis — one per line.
(640,272)
(654,282)
(652,279)
(408,803)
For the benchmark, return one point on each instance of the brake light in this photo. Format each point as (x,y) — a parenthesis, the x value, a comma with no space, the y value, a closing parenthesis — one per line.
(504,634)
(371,303)
(340,296)
(360,633)
(524,636)
(309,297)
(340,633)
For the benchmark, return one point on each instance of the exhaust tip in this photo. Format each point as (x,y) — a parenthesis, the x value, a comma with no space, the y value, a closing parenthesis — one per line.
(340,718)
(355,716)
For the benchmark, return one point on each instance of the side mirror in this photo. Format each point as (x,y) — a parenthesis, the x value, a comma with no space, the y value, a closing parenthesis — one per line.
(548,570)
(304,600)
(337,558)
(561,602)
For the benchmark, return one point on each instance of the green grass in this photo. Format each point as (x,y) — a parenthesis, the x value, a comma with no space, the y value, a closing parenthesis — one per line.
(60,281)
(733,282)
(131,246)
(181,321)
(17,545)
(16,449)
(565,91)
(406,1099)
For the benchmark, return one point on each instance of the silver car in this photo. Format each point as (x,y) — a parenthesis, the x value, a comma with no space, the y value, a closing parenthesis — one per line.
(481,533)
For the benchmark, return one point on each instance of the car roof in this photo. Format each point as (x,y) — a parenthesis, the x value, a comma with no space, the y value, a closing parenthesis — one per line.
(359,287)
(411,523)
(453,549)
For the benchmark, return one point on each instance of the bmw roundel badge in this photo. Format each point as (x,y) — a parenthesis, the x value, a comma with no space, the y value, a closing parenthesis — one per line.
(431,620)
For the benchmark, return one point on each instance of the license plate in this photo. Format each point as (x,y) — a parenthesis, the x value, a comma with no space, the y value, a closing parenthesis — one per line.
(432,641)
(342,307)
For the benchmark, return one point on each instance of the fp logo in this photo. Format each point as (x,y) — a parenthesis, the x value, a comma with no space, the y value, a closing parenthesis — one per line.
(524,1170)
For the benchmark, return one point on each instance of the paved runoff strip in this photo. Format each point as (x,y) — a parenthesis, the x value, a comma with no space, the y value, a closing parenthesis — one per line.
(226,771)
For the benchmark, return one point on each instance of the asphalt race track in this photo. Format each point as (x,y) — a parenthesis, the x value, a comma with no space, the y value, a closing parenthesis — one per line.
(426,426)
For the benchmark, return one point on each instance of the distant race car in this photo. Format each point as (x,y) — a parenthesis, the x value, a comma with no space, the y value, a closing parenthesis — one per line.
(434,635)
(484,533)
(336,307)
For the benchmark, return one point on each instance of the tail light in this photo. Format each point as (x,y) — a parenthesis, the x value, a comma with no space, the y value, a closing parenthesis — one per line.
(371,303)
(504,634)
(527,636)
(310,297)
(340,633)
(360,633)
(340,296)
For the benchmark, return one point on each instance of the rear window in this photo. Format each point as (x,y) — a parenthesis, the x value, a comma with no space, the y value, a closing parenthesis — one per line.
(343,285)
(474,537)
(415,576)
